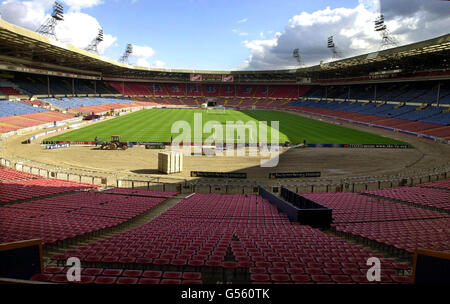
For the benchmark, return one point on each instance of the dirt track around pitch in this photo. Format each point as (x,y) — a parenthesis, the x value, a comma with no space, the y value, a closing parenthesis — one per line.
(332,162)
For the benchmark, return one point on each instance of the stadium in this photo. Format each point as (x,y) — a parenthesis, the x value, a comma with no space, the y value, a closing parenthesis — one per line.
(133,172)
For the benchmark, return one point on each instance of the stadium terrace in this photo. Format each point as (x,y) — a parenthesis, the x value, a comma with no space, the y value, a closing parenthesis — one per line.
(87,169)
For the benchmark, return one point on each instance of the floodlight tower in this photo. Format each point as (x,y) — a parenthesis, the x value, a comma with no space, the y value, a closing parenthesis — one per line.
(48,27)
(126,55)
(387,39)
(333,48)
(93,46)
(296,55)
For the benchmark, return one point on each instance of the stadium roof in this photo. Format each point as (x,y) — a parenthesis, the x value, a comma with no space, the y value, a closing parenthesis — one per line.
(27,48)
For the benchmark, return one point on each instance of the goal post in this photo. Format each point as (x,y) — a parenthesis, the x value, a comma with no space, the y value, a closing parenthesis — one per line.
(216,110)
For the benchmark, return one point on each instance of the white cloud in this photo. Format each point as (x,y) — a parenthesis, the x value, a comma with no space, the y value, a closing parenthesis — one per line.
(353,31)
(108,41)
(159,64)
(242,20)
(77,5)
(142,51)
(239,33)
(77,29)
(28,14)
(142,55)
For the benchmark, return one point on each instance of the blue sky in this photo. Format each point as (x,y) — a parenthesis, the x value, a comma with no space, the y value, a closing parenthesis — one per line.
(234,34)
(199,33)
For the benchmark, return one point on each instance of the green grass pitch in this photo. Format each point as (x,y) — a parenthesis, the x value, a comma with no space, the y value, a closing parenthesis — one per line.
(155,126)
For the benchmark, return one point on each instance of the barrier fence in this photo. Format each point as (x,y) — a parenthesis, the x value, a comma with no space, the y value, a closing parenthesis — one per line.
(206,185)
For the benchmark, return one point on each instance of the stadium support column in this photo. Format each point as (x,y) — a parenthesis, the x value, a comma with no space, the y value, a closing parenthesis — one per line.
(95,87)
(73,86)
(48,85)
(375,93)
(348,97)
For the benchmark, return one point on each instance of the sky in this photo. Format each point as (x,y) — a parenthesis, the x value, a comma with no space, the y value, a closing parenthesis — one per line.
(234,34)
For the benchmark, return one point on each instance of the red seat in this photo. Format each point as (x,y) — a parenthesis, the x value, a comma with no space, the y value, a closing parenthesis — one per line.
(42,277)
(152,274)
(321,278)
(245,264)
(359,279)
(54,270)
(144,260)
(263,264)
(112,272)
(192,282)
(295,271)
(196,263)
(341,279)
(179,262)
(314,271)
(105,280)
(127,260)
(147,281)
(389,272)
(92,271)
(301,278)
(127,281)
(110,259)
(351,271)
(192,276)
(276,278)
(132,273)
(161,261)
(59,278)
(170,282)
(277,270)
(332,271)
(258,277)
(172,275)
(85,279)
(258,270)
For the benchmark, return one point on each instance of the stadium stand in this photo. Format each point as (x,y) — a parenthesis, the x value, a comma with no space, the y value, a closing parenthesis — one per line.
(63,217)
(355,208)
(223,235)
(9,91)
(435,198)
(392,224)
(443,184)
(141,192)
(405,235)
(121,276)
(11,108)
(27,189)
(75,103)
(31,84)
(7,174)
(13,123)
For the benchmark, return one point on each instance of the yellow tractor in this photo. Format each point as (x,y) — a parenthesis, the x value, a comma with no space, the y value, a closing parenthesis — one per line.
(114,144)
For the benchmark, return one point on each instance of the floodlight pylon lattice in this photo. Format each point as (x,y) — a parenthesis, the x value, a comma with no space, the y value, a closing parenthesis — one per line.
(297,56)
(93,46)
(387,39)
(48,27)
(126,54)
(332,46)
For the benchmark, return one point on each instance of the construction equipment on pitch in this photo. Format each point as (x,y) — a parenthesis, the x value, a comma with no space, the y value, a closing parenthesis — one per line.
(114,144)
